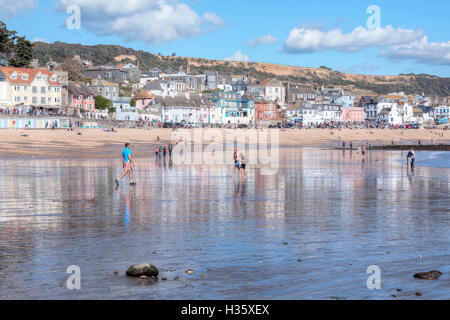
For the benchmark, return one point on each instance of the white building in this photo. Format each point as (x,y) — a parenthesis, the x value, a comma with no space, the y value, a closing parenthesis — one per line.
(346,101)
(390,113)
(124,110)
(321,113)
(442,112)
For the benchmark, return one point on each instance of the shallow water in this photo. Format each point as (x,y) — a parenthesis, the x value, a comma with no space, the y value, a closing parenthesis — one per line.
(337,214)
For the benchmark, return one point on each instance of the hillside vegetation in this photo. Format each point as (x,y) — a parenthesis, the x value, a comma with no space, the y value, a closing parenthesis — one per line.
(305,77)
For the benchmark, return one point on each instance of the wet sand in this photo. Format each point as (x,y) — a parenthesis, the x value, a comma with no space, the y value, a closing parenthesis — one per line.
(95,143)
(308,232)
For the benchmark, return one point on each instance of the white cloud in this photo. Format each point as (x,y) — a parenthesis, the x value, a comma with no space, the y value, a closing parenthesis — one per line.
(238,56)
(421,51)
(213,19)
(153,21)
(306,40)
(267,39)
(37,39)
(9,8)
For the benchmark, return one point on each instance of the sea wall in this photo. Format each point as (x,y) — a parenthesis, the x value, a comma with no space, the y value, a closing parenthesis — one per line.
(44,123)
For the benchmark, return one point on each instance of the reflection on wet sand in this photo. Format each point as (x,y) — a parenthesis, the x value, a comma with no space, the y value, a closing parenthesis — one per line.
(337,213)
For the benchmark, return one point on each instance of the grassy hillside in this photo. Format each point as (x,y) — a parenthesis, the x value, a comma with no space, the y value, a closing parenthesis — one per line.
(307,77)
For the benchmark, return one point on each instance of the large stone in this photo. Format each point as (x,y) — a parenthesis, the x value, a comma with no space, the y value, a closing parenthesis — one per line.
(432,275)
(143,269)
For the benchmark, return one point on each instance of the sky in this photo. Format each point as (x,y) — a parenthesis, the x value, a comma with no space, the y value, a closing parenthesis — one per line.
(356,36)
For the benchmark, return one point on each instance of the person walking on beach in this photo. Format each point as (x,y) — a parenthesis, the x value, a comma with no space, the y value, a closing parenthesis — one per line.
(351,145)
(160,152)
(236,162)
(411,155)
(170,150)
(164,152)
(127,164)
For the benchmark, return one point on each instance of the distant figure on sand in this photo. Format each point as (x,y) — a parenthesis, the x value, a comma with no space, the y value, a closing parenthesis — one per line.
(127,164)
(170,150)
(156,151)
(343,144)
(411,155)
(351,145)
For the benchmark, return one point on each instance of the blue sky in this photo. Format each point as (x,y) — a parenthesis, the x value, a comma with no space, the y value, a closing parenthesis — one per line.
(291,32)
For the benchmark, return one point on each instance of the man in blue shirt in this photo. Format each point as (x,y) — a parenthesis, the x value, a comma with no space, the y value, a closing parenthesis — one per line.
(127,164)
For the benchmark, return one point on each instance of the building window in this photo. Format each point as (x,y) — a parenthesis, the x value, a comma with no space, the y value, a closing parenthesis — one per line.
(34,100)
(34,90)
(42,100)
(43,90)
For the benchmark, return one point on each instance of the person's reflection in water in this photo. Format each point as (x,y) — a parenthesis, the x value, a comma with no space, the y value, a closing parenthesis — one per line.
(127,205)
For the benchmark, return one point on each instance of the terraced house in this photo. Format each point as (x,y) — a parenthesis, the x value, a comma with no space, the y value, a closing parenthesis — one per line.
(234,108)
(29,87)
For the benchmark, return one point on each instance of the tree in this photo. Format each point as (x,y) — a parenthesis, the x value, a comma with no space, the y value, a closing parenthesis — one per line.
(6,39)
(23,53)
(102,103)
(74,68)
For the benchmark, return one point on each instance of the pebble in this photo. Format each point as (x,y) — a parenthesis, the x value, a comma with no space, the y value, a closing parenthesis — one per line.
(285,243)
(116,273)
(164,279)
(176,278)
(399,290)
(299,260)
(190,272)
(419,294)
(202,275)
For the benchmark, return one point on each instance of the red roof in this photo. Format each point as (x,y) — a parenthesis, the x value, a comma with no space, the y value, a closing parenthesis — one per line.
(32,73)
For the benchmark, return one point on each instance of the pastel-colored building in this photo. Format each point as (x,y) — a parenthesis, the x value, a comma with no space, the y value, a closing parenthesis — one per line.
(233,108)
(81,97)
(143,99)
(265,111)
(353,115)
(29,87)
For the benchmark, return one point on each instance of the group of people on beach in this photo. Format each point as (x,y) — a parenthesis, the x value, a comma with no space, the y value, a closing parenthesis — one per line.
(161,151)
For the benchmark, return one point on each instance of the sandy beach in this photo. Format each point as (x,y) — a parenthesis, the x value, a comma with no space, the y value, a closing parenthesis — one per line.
(95,143)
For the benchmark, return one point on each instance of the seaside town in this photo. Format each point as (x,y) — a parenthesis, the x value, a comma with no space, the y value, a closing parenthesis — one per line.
(133,97)
(289,151)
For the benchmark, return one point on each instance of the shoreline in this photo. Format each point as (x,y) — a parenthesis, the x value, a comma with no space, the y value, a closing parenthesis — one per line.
(96,143)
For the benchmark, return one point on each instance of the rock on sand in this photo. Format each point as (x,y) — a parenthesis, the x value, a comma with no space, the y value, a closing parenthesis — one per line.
(143,269)
(431,275)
